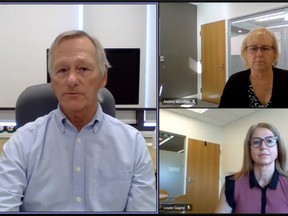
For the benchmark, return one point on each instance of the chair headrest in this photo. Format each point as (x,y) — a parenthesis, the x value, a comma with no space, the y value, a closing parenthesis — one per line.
(39,100)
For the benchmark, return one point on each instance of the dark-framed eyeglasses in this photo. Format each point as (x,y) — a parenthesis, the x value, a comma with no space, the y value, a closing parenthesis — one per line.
(254,49)
(270,141)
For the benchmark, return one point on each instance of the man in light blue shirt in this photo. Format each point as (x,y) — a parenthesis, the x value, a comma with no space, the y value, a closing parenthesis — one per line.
(77,158)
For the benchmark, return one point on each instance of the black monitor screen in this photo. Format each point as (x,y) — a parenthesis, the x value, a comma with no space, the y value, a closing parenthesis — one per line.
(123,76)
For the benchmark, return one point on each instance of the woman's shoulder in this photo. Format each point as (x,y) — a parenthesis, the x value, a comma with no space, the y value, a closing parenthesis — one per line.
(229,177)
(280,71)
(281,77)
(284,178)
(229,181)
(229,190)
(241,74)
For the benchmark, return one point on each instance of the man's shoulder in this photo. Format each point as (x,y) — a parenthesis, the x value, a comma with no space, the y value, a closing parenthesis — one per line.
(118,124)
(37,124)
(121,131)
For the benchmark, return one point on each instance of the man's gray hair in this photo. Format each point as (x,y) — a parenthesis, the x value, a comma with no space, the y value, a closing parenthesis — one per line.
(101,55)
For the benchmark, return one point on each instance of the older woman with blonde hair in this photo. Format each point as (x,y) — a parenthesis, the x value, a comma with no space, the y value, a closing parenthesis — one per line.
(261,85)
(261,186)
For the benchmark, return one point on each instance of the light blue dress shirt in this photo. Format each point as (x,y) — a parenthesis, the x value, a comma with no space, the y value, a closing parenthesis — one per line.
(47,165)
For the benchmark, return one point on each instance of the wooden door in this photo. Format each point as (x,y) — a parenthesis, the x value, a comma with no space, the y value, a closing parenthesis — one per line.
(213,61)
(202,183)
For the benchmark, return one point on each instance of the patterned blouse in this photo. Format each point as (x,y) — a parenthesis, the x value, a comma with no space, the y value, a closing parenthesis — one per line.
(254,102)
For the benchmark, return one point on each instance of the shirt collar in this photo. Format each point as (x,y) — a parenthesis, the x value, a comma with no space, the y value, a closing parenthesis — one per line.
(62,120)
(272,184)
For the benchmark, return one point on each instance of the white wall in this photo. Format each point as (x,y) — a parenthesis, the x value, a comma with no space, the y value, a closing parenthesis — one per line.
(117,25)
(212,12)
(179,124)
(230,137)
(28,30)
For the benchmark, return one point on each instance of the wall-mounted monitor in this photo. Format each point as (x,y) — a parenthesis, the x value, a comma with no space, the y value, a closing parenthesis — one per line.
(123,76)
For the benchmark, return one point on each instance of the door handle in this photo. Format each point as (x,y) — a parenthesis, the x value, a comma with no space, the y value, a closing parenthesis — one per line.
(189,180)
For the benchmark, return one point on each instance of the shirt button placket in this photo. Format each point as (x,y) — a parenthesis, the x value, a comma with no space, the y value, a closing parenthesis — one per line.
(79,178)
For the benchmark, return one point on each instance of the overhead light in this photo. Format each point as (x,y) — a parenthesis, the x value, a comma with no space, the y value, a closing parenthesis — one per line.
(165,140)
(279,26)
(271,18)
(160,90)
(198,110)
(259,17)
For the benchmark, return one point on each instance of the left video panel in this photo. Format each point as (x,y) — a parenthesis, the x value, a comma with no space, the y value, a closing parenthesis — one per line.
(128,33)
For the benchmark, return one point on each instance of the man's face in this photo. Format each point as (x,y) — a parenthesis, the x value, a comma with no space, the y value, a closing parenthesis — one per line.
(75,75)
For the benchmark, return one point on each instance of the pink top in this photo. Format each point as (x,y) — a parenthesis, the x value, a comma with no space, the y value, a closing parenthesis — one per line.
(249,197)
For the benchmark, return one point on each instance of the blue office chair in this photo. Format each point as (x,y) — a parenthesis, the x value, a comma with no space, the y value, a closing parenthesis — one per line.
(39,100)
